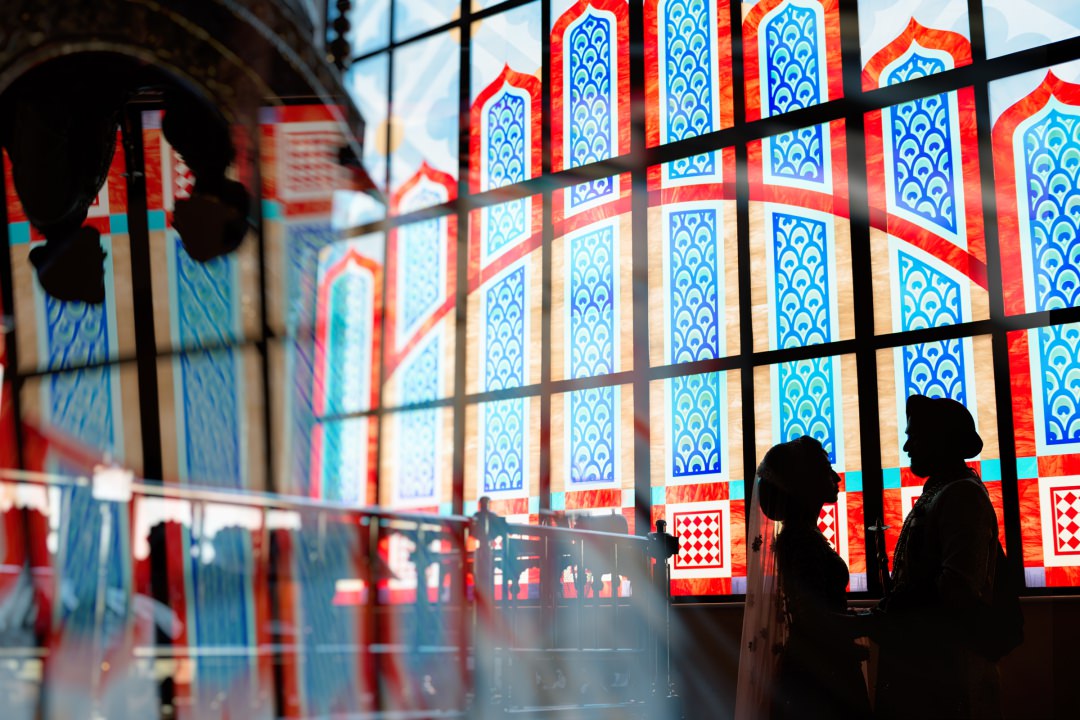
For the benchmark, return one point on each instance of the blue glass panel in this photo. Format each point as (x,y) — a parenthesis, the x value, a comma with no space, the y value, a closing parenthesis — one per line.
(349,343)
(929,298)
(504,332)
(592,303)
(688,64)
(793,57)
(592,435)
(506,135)
(695,423)
(1052,170)
(418,429)
(344,443)
(590,88)
(806,402)
(420,271)
(921,139)
(801,280)
(505,223)
(504,440)
(1059,351)
(694,285)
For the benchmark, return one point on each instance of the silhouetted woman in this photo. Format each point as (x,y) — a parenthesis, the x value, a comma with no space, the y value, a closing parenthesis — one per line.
(798,657)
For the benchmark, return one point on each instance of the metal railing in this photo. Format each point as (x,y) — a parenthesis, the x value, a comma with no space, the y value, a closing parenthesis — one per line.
(131,599)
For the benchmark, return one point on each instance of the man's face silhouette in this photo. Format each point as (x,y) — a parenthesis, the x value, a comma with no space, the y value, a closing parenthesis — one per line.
(922,449)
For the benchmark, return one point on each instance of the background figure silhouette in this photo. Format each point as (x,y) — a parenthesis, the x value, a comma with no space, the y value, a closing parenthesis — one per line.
(943,578)
(798,658)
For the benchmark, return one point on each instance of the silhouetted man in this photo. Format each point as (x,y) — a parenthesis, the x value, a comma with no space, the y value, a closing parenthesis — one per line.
(943,577)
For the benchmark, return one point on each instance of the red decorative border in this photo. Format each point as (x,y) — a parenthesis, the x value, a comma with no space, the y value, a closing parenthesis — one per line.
(1012,269)
(621,10)
(322,325)
(393,358)
(958,46)
(531,85)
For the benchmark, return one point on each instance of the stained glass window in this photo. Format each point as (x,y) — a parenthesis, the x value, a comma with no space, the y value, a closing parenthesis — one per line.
(367,85)
(424,121)
(803,397)
(688,71)
(931,36)
(417,460)
(1036,117)
(1014,25)
(412,17)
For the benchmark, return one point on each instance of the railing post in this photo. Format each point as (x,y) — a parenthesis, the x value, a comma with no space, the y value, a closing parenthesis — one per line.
(486,527)
(662,545)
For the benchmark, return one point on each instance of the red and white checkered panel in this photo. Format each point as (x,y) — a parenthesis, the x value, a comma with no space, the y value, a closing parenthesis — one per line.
(100,206)
(177,178)
(832,522)
(704,539)
(309,168)
(1060,520)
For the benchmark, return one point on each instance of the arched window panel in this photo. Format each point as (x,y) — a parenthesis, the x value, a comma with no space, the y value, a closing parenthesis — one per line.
(592,452)
(322,583)
(424,121)
(688,77)
(800,239)
(79,417)
(505,311)
(1015,25)
(696,445)
(960,369)
(1036,139)
(211,409)
(412,17)
(791,51)
(590,93)
(502,457)
(506,116)
(58,335)
(348,329)
(367,82)
(196,304)
(369,25)
(1044,363)
(344,460)
(419,321)
(592,286)
(928,247)
(815,397)
(417,460)
(930,24)
(693,270)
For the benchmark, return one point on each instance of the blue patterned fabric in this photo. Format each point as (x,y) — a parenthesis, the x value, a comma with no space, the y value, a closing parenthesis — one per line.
(929,298)
(591,102)
(1051,168)
(792,68)
(925,177)
(803,316)
(688,48)
(693,239)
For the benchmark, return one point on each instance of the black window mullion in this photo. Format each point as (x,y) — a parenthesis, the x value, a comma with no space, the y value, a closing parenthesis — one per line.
(1002,376)
(742,220)
(863,290)
(548,231)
